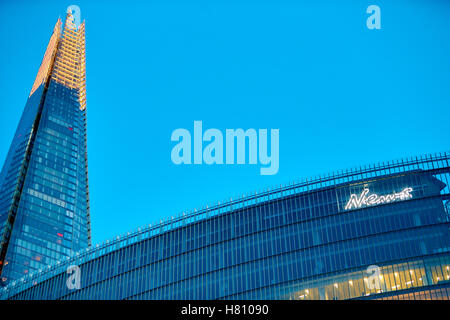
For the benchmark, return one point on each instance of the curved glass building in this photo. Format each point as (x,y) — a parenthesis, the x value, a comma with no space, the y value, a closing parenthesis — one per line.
(377,232)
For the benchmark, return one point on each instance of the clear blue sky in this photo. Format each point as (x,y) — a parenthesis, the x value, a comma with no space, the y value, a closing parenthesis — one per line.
(341,95)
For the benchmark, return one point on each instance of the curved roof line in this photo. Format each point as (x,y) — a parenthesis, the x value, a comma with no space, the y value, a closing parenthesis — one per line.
(341,177)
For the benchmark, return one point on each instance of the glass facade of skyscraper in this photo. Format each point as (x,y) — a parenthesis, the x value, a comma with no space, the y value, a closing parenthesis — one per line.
(44,204)
(378,232)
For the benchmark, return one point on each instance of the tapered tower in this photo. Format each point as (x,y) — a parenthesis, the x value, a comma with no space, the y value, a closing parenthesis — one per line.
(44,195)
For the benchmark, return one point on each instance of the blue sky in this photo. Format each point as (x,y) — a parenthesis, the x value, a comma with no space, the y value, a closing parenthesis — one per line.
(340,94)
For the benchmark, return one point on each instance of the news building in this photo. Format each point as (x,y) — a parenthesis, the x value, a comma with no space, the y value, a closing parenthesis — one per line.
(376,232)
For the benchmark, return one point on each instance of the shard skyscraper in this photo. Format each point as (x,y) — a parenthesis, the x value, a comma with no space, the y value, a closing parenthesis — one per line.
(44,195)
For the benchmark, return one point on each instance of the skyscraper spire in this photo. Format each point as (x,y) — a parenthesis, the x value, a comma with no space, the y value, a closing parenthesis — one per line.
(44,195)
(70,64)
